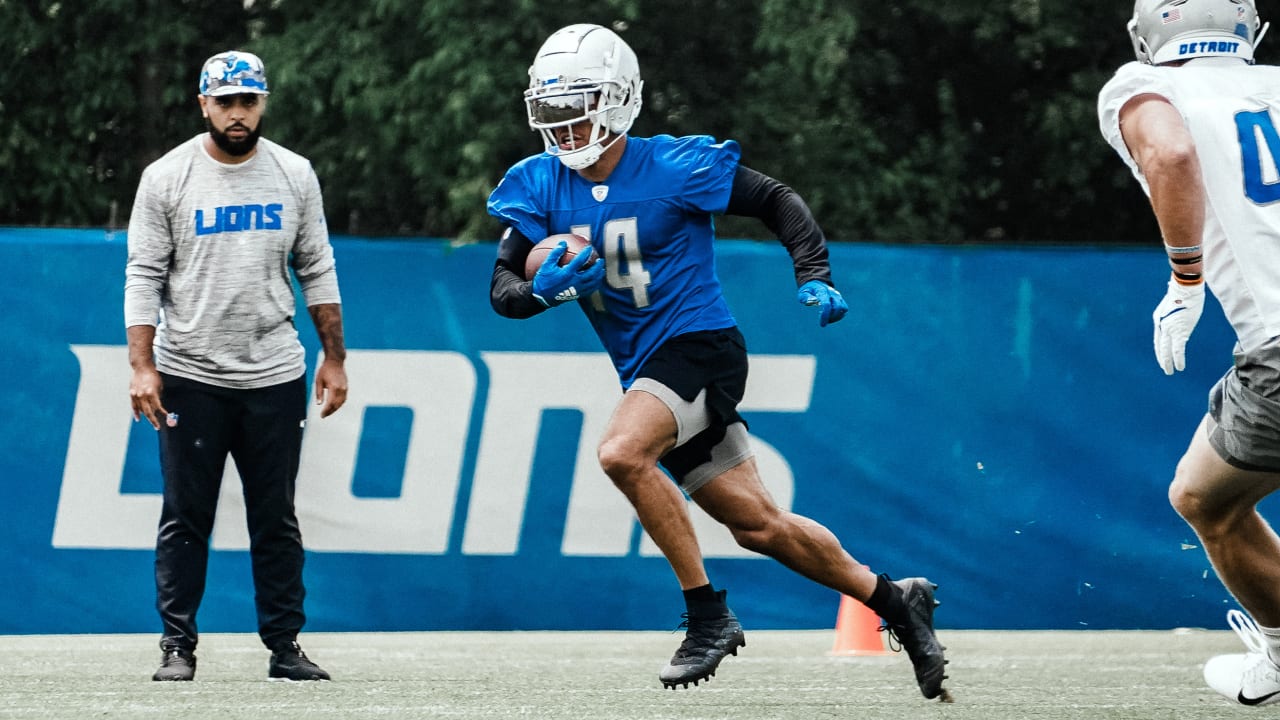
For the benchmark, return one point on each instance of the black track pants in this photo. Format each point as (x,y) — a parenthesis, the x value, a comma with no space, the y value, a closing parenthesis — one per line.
(261,430)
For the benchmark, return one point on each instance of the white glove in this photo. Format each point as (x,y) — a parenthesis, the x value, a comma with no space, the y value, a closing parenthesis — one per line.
(1175,317)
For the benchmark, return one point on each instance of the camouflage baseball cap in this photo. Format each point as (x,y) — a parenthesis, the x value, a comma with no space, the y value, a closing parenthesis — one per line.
(233,73)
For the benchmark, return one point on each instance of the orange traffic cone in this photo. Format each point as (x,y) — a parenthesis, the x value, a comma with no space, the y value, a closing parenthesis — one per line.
(857,630)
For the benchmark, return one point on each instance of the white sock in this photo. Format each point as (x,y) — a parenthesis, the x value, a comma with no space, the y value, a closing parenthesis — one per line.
(1272,636)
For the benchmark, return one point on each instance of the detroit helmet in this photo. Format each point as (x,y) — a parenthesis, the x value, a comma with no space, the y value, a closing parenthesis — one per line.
(1166,30)
(583,73)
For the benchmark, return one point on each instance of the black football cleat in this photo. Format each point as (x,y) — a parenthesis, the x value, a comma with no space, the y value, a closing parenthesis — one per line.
(917,637)
(707,640)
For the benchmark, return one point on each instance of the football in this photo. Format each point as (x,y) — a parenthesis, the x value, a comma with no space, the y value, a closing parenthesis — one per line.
(539,252)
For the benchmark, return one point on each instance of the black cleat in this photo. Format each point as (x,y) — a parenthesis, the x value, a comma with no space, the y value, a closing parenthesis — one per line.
(707,641)
(288,662)
(918,639)
(176,664)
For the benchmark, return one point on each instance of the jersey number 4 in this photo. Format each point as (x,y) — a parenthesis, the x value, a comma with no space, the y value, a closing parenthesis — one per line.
(1258,158)
(622,261)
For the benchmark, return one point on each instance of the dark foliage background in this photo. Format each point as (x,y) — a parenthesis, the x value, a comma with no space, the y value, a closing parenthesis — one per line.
(914,122)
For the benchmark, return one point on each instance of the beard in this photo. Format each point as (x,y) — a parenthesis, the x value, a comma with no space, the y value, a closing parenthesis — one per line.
(234,148)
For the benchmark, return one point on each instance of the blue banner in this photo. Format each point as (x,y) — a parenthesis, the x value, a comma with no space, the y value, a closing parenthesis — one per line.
(993,419)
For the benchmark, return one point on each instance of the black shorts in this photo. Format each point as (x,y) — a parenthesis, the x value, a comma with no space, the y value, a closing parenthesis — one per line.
(710,360)
(714,360)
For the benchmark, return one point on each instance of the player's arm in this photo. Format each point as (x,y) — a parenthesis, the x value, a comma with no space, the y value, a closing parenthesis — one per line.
(509,293)
(151,246)
(145,386)
(313,263)
(785,213)
(1160,143)
(331,377)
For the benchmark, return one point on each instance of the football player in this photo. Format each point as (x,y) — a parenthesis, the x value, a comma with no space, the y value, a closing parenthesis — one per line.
(647,206)
(1195,120)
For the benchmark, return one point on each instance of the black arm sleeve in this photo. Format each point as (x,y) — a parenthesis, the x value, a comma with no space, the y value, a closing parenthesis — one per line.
(509,293)
(782,210)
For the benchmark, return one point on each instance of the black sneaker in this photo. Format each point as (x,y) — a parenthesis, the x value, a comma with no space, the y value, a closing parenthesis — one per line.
(707,641)
(176,664)
(288,662)
(918,639)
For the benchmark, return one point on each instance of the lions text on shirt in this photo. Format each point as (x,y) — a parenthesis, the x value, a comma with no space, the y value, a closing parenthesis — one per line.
(210,248)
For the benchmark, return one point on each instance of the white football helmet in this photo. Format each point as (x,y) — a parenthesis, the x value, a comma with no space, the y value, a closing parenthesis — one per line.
(583,72)
(1166,30)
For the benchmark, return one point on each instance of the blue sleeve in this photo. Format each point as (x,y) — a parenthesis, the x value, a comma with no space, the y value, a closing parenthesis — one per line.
(515,202)
(712,167)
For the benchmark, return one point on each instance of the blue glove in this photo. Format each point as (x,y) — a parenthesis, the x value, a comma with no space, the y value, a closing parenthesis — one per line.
(830,302)
(553,284)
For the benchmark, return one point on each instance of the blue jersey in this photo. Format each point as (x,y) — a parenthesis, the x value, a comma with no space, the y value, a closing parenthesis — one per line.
(651,221)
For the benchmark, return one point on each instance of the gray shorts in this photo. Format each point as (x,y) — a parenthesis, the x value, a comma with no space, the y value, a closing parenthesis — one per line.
(711,453)
(1244,410)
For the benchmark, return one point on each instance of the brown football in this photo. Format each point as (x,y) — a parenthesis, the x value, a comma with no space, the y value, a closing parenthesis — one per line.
(539,252)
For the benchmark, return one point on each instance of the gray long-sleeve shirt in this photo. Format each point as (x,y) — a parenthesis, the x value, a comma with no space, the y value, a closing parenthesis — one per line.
(210,247)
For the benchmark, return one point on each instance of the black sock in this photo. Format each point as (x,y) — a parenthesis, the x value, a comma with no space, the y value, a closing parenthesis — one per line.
(888,601)
(704,600)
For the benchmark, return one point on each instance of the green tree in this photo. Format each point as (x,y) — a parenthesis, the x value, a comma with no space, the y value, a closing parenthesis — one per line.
(410,111)
(915,121)
(94,92)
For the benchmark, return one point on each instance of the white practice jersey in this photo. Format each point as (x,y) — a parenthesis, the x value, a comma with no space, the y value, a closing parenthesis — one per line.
(210,248)
(1233,111)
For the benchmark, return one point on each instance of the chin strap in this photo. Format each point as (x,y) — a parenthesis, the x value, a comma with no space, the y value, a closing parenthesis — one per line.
(586,156)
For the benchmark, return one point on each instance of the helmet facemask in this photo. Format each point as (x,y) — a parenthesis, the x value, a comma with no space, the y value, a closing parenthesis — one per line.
(556,106)
(583,73)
